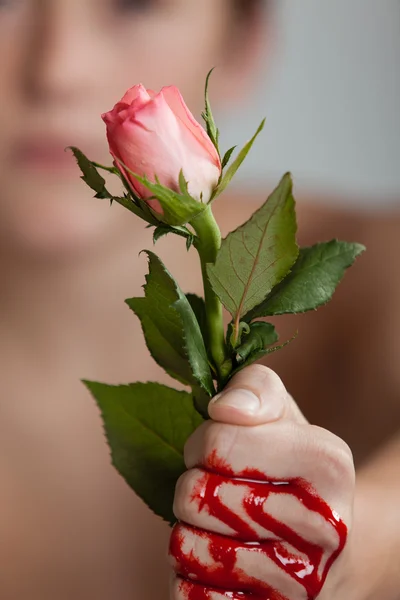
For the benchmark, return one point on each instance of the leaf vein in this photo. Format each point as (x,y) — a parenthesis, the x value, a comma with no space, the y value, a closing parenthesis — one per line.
(233,264)
(256,260)
(245,245)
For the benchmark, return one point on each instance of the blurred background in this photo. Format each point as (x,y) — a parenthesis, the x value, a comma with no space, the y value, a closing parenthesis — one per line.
(331,93)
(328,81)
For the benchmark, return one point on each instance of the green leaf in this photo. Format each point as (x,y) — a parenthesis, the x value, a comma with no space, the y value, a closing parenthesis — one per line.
(96,182)
(257,255)
(199,308)
(207,115)
(190,242)
(201,400)
(312,281)
(258,355)
(147,425)
(261,336)
(234,333)
(227,157)
(164,336)
(227,177)
(162,230)
(90,176)
(170,328)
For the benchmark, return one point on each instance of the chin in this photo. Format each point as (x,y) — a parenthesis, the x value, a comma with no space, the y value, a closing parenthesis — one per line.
(56,223)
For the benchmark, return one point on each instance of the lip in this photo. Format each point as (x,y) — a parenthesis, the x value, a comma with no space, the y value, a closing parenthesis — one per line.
(46,154)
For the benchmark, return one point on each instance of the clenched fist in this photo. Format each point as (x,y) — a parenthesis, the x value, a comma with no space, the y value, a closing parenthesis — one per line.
(266,504)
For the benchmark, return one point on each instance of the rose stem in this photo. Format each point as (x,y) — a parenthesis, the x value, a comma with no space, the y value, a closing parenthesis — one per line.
(207,243)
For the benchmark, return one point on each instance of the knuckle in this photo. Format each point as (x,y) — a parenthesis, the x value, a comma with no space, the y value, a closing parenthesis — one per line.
(211,446)
(194,446)
(335,456)
(258,377)
(181,495)
(219,442)
(256,369)
(188,494)
(212,438)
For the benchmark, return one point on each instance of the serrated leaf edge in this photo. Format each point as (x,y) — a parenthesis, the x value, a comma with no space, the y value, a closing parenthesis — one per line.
(238,316)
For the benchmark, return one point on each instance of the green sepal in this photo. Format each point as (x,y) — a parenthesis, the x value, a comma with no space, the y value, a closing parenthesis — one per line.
(90,175)
(208,118)
(178,208)
(230,172)
(137,207)
(257,256)
(260,337)
(163,229)
(112,170)
(96,182)
(143,209)
(183,184)
(312,280)
(227,157)
(147,425)
(170,328)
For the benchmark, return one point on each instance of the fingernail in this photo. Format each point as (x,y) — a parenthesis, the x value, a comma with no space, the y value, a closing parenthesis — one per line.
(241,399)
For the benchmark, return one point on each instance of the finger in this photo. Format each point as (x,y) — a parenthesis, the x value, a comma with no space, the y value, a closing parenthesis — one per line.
(280,451)
(252,510)
(212,560)
(182,589)
(254,396)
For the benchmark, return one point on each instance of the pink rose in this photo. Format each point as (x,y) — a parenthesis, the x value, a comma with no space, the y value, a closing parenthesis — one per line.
(156,135)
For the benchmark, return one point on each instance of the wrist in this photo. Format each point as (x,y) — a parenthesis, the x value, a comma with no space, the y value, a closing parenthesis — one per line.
(368,568)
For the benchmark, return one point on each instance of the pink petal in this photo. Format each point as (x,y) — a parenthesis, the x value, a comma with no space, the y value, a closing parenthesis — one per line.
(177,104)
(134,99)
(136,95)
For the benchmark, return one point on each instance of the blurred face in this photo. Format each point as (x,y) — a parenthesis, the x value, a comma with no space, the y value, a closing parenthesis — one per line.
(63,63)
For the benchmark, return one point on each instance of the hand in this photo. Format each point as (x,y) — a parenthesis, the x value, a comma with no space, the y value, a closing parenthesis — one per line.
(265,507)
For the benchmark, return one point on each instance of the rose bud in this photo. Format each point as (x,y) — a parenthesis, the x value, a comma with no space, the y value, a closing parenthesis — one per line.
(155,135)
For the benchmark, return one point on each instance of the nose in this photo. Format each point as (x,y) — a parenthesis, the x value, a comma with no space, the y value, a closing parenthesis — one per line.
(61,53)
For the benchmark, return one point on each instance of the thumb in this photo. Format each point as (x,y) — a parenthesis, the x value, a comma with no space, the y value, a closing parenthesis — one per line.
(256,395)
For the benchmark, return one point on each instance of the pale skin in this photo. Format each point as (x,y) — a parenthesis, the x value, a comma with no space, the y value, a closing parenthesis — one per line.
(256,424)
(69,525)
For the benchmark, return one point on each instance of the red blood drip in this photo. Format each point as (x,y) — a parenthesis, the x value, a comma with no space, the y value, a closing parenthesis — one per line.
(194,591)
(199,581)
